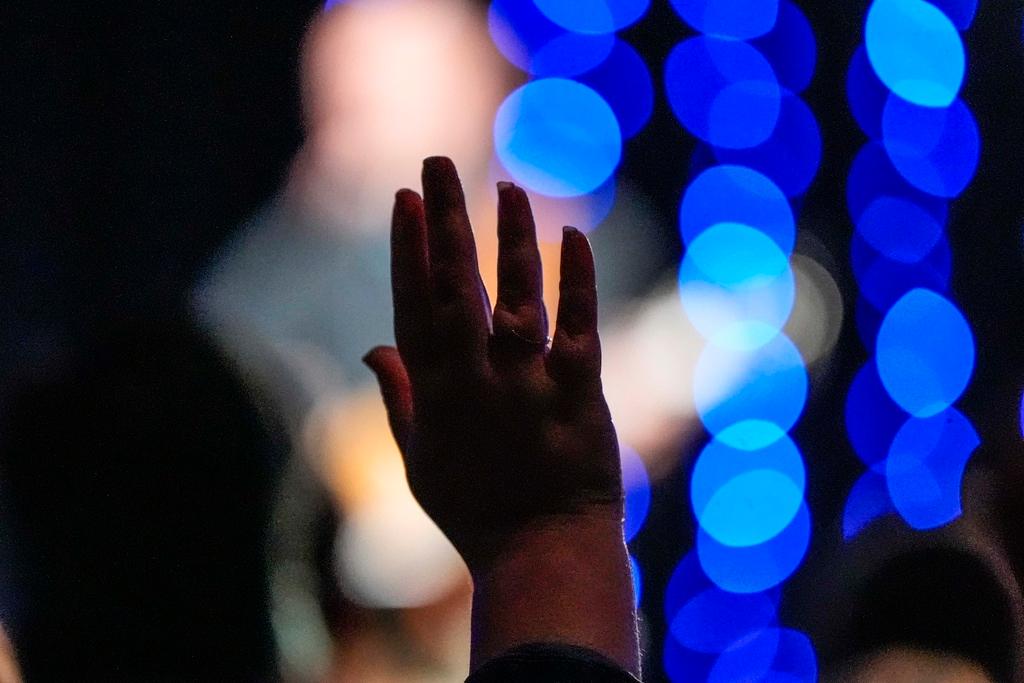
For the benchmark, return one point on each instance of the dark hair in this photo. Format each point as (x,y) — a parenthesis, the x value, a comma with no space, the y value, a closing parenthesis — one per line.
(141,479)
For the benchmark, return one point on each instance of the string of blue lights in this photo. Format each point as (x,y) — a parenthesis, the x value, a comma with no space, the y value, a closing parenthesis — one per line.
(735,87)
(903,86)
(561,134)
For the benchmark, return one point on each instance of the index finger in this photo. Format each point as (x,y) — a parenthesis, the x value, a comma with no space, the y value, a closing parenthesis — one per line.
(410,276)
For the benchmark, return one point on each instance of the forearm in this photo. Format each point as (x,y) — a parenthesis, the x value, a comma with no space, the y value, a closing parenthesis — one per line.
(568,582)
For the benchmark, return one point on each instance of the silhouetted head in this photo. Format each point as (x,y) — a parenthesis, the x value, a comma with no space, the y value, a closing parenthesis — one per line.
(939,599)
(141,477)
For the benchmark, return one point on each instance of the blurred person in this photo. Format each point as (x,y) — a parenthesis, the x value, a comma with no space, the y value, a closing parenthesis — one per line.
(384,84)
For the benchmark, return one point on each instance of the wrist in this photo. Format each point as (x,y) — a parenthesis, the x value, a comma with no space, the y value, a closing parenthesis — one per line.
(564,580)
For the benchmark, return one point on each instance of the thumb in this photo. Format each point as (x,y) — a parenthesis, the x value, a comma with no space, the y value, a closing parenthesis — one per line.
(393,379)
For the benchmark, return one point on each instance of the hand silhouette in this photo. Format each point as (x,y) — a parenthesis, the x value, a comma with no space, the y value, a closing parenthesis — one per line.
(508,444)
(499,433)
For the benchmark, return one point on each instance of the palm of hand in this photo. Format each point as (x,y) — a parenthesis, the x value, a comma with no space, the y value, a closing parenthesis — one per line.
(499,433)
(500,456)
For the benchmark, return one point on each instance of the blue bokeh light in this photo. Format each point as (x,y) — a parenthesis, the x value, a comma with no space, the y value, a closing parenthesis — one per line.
(925,353)
(768,397)
(736,286)
(593,16)
(883,281)
(867,501)
(535,44)
(637,486)
(792,153)
(751,434)
(683,665)
(795,660)
(737,19)
(872,175)
(723,91)
(872,418)
(587,210)
(704,618)
(756,568)
(624,81)
(590,209)
(790,48)
(866,94)
(775,655)
(936,150)
(557,137)
(960,12)
(735,194)
(899,229)
(915,50)
(751,508)
(595,205)
(926,466)
(715,620)
(746,497)
(750,660)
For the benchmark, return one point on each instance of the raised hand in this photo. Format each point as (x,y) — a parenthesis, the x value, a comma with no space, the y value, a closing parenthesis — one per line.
(508,445)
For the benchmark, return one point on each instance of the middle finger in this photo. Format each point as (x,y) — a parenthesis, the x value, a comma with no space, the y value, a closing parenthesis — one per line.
(460,308)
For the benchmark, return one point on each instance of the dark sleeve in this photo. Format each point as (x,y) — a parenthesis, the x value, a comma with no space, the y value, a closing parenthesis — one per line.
(551,663)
